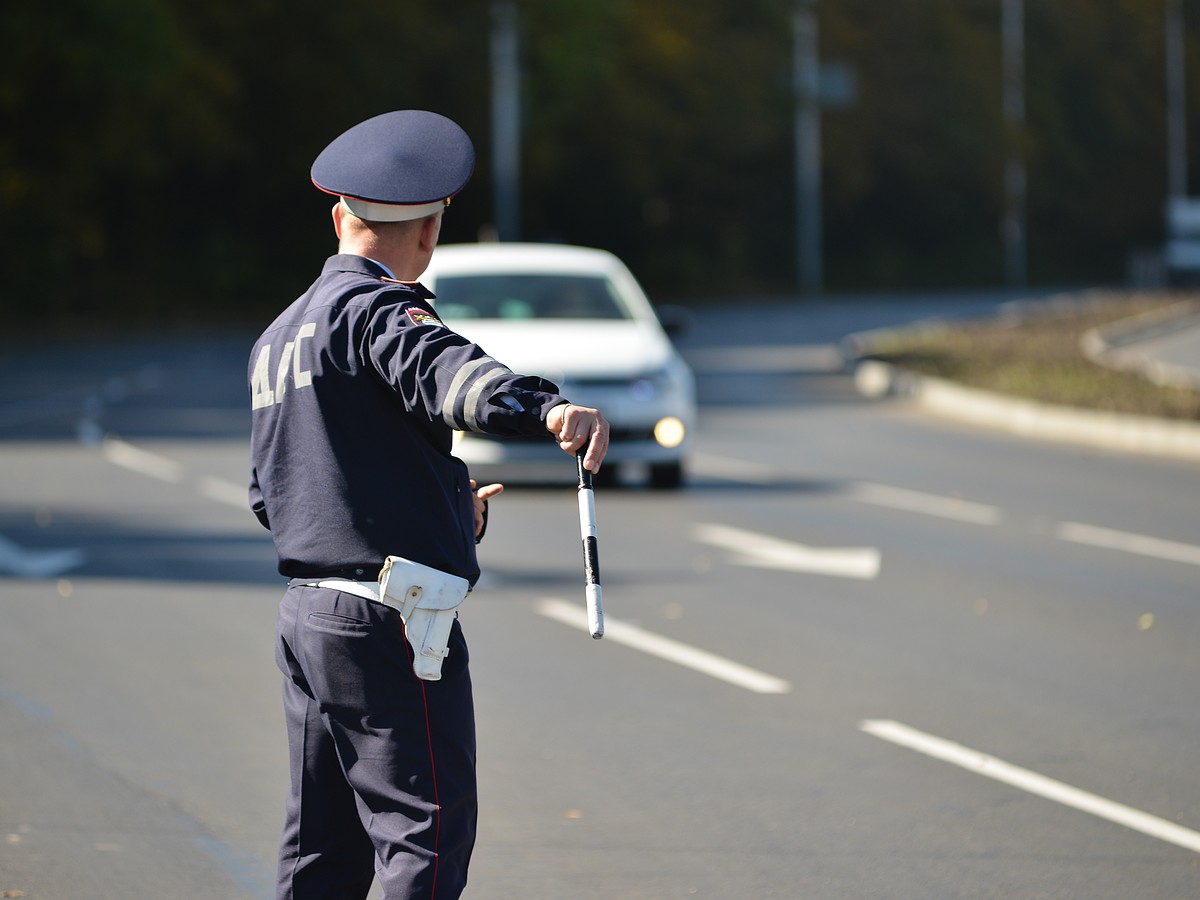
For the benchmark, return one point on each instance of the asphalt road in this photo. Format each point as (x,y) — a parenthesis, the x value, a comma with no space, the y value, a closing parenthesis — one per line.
(866,654)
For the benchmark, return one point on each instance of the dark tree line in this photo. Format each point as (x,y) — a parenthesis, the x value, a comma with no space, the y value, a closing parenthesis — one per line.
(154,155)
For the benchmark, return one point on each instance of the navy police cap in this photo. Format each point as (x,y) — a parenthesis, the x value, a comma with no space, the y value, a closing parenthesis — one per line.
(397,166)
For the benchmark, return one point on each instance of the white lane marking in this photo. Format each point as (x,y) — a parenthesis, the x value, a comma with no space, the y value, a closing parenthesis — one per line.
(756,549)
(152,465)
(1032,782)
(681,654)
(1130,543)
(141,461)
(733,469)
(768,552)
(927,504)
(222,491)
(23,563)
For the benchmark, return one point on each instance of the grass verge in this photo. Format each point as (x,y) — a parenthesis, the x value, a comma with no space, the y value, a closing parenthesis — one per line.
(1038,356)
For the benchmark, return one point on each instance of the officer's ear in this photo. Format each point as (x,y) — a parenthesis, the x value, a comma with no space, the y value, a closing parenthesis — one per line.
(431,227)
(338,211)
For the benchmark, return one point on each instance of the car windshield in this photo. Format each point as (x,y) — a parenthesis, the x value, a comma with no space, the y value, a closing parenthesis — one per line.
(527,296)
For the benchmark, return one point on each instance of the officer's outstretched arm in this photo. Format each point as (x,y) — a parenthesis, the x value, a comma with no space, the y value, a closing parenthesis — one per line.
(577,427)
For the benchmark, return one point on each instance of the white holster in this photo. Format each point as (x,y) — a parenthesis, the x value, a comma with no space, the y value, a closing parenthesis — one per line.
(426,599)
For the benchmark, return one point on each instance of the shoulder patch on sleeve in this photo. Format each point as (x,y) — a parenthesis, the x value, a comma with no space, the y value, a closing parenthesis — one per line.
(421,317)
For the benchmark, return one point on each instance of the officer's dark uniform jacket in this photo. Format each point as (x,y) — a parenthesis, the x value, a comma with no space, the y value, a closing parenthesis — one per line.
(356,390)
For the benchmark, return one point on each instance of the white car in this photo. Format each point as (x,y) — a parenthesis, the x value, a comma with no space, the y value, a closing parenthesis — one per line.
(576,316)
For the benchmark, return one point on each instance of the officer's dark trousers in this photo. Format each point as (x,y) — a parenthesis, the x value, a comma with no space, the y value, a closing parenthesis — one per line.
(382,763)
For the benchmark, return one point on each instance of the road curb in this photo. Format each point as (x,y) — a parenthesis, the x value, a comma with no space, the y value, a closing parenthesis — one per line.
(1124,432)
(1117,345)
(1028,418)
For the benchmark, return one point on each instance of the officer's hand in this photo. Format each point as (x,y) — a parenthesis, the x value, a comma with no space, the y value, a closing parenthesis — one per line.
(481,496)
(576,427)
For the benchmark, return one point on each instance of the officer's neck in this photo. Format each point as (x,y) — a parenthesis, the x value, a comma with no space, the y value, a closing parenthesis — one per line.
(405,253)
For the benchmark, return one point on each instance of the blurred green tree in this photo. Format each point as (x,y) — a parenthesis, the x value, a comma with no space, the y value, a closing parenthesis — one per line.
(155,153)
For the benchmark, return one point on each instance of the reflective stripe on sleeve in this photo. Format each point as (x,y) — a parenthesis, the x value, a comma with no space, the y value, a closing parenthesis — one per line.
(468,386)
(471,404)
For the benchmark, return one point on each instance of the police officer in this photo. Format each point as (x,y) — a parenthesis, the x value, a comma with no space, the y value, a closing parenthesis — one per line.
(356,389)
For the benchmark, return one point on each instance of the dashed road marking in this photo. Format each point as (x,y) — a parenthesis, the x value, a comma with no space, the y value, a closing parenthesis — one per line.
(927,504)
(222,491)
(754,549)
(1128,542)
(667,649)
(767,552)
(141,461)
(1032,782)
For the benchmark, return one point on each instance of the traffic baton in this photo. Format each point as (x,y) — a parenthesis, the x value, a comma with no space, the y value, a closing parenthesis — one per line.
(591,561)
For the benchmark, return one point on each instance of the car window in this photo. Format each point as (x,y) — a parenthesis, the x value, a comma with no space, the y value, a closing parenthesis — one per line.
(527,296)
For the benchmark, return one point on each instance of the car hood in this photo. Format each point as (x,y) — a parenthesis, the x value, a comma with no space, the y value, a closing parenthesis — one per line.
(571,350)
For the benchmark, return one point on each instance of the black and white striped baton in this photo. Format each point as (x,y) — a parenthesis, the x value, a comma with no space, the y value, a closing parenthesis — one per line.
(591,561)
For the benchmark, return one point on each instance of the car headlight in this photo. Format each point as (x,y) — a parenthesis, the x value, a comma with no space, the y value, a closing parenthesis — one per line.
(669,432)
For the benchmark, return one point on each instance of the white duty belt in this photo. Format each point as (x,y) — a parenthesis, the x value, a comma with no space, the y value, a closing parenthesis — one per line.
(425,597)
